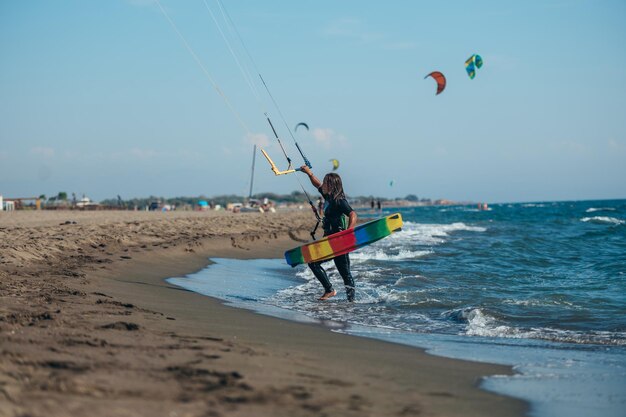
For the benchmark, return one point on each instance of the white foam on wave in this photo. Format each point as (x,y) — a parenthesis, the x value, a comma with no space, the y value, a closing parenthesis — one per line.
(482,324)
(429,234)
(542,303)
(410,297)
(371,273)
(375,292)
(381,255)
(369,309)
(409,279)
(307,274)
(603,220)
(592,209)
(414,241)
(464,209)
(443,229)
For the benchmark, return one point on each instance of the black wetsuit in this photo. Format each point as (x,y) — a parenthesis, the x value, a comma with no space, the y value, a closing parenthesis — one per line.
(334,210)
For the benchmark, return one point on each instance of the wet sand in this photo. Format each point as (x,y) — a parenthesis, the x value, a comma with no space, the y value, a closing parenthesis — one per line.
(88,326)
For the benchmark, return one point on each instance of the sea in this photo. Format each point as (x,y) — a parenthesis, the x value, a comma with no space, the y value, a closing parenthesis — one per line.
(538,286)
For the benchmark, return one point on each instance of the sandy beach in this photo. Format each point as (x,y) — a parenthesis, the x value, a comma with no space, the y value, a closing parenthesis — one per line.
(88,326)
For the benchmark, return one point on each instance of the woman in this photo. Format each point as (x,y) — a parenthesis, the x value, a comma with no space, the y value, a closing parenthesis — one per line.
(335,208)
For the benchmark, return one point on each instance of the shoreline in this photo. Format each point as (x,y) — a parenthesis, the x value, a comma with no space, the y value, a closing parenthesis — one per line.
(120,337)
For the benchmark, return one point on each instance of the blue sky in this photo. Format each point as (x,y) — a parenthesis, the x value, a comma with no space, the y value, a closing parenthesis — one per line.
(101,97)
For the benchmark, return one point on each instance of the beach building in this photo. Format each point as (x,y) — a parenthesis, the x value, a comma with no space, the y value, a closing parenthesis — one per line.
(86,203)
(10,204)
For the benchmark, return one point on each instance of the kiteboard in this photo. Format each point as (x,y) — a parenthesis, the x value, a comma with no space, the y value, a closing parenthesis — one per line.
(345,241)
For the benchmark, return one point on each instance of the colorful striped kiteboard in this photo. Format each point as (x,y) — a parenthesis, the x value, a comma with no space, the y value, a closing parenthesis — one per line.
(345,241)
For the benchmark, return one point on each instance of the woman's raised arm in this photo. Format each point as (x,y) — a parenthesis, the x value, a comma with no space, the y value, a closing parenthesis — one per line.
(314,180)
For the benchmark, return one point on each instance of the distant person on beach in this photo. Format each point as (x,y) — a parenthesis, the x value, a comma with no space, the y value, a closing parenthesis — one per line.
(372,204)
(336,209)
(378,204)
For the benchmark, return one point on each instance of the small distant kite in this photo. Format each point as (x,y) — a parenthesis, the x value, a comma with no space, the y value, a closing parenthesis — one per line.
(472,64)
(335,164)
(391,183)
(440,78)
(301,124)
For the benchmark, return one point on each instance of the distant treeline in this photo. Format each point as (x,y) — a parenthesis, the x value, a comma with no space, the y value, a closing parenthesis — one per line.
(293,198)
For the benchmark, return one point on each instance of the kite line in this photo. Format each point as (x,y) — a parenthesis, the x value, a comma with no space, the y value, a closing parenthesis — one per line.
(248,78)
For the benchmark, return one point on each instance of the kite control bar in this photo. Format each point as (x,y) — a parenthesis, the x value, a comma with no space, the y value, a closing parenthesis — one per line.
(289,169)
(276,171)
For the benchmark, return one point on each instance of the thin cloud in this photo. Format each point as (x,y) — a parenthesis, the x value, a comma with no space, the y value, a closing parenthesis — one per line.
(501,61)
(141,3)
(42,151)
(187,154)
(259,139)
(328,138)
(398,46)
(573,147)
(615,145)
(44,172)
(133,154)
(144,153)
(71,154)
(353,29)
(357,30)
(560,4)
(440,151)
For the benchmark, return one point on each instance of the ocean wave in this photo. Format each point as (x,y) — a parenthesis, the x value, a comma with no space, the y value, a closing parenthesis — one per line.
(306,273)
(481,323)
(593,209)
(381,255)
(463,209)
(409,279)
(371,273)
(429,234)
(443,229)
(414,241)
(401,245)
(603,220)
(406,297)
(542,303)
